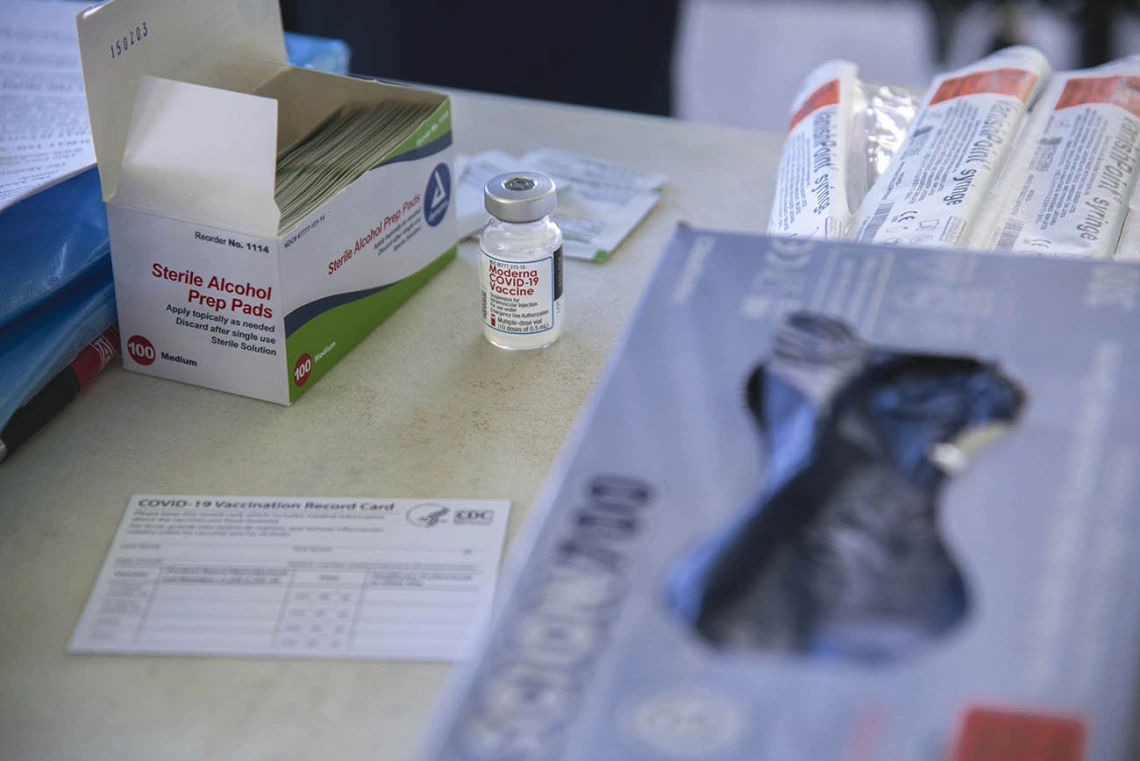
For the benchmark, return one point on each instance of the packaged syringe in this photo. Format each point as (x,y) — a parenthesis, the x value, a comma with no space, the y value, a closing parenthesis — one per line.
(811,190)
(936,185)
(1067,187)
(842,135)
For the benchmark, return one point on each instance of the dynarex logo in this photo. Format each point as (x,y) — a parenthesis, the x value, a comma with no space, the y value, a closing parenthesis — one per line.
(427,515)
(437,194)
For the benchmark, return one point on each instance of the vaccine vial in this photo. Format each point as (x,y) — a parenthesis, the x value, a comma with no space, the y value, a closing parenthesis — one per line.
(520,262)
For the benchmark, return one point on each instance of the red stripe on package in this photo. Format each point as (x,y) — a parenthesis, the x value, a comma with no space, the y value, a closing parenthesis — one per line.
(1016,82)
(826,95)
(1116,91)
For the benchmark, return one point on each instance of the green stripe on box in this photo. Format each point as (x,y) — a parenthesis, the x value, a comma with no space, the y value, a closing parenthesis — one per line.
(439,123)
(348,324)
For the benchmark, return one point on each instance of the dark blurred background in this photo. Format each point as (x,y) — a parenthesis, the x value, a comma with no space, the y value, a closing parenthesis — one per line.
(733,62)
(615,54)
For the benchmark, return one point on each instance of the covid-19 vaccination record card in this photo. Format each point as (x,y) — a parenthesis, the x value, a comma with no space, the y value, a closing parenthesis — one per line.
(296,577)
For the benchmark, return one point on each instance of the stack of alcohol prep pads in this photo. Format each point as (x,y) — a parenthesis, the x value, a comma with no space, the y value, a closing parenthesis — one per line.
(333,156)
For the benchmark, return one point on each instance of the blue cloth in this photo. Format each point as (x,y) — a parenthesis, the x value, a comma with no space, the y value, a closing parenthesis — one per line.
(318,53)
(56,289)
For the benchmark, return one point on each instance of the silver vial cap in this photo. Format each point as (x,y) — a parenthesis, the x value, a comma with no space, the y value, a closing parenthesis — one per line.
(520,196)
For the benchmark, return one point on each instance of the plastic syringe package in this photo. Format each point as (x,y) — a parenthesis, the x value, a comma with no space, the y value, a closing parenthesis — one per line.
(833,502)
(935,188)
(842,135)
(813,185)
(1067,187)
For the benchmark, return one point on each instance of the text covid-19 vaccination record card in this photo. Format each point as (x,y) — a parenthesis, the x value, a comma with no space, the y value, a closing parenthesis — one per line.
(296,576)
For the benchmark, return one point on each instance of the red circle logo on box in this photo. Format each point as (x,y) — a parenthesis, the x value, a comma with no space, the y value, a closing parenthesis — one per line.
(141,350)
(303,369)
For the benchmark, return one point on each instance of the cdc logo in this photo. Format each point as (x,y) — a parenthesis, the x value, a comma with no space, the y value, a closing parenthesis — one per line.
(480,517)
(427,515)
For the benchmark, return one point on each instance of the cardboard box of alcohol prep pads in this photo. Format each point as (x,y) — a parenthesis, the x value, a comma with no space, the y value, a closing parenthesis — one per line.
(834,502)
(190,104)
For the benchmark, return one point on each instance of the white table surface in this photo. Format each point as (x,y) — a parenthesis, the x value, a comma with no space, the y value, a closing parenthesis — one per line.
(416,410)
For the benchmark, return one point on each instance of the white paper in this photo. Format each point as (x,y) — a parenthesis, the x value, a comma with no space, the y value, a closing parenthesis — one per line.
(605,203)
(474,172)
(595,219)
(296,577)
(599,203)
(575,166)
(45,137)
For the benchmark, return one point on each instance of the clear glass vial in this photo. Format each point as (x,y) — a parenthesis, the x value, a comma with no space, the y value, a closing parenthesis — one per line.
(520,262)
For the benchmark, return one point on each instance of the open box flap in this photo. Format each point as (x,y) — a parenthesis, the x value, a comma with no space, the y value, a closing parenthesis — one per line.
(306,98)
(201,154)
(230,44)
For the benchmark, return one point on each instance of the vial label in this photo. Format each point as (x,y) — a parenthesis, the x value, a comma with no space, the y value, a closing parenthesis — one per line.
(522,298)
